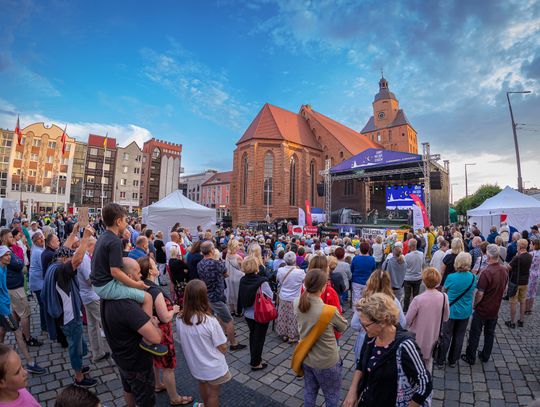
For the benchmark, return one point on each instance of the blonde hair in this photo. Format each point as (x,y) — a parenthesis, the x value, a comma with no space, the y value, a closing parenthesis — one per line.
(250,265)
(463,262)
(431,277)
(378,282)
(174,252)
(232,245)
(332,263)
(254,250)
(379,308)
(457,245)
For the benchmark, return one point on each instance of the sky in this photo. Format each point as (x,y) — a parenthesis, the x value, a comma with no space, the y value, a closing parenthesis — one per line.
(198,72)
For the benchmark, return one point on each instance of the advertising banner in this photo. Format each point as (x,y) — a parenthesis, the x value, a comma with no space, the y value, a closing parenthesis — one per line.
(418,202)
(301,217)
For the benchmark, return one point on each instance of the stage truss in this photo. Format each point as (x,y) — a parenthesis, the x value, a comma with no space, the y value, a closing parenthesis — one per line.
(423,166)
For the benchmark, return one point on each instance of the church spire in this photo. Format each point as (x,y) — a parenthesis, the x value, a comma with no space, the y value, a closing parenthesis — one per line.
(383,83)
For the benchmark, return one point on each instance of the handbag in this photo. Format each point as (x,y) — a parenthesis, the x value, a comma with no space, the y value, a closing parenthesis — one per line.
(265,311)
(438,348)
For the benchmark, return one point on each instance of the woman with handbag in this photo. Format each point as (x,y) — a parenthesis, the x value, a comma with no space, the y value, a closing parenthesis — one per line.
(252,285)
(290,279)
(460,287)
(317,354)
(421,318)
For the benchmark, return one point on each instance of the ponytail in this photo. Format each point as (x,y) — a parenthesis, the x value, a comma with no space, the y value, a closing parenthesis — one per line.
(315,281)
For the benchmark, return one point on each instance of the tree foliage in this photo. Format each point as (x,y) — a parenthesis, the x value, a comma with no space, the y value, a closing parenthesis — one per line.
(476,199)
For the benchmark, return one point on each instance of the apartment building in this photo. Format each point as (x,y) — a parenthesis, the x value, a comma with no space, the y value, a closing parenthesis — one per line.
(128,183)
(215,193)
(99,171)
(77,176)
(193,184)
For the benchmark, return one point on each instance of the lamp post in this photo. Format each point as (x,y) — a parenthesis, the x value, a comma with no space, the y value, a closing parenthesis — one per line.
(466,183)
(520,180)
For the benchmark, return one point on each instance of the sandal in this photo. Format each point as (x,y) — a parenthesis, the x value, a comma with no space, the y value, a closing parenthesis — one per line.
(261,367)
(184,401)
(159,389)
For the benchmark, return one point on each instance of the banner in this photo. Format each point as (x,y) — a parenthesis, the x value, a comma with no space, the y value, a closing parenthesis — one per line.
(82,217)
(310,230)
(418,202)
(297,230)
(418,221)
(367,232)
(301,217)
(308,213)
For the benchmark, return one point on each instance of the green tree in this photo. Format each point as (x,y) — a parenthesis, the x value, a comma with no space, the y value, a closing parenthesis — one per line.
(476,199)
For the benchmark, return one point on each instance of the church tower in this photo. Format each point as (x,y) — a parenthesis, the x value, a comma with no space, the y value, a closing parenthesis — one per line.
(389,126)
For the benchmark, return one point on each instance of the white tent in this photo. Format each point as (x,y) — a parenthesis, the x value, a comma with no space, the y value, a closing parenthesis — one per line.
(9,206)
(522,211)
(174,208)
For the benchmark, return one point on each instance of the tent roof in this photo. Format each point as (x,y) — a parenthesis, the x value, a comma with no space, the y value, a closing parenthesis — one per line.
(507,199)
(178,200)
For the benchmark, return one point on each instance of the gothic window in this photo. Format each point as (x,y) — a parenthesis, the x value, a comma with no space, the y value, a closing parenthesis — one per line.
(378,137)
(245,170)
(312,178)
(268,175)
(292,182)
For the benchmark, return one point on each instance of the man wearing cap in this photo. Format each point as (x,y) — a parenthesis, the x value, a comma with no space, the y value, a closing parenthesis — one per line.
(34,228)
(63,302)
(8,323)
(26,233)
(487,302)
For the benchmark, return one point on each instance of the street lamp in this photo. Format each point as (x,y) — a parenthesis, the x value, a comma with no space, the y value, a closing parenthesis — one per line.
(466,184)
(520,180)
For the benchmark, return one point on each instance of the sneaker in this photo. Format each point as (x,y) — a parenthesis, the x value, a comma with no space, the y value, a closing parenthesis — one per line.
(467,360)
(520,324)
(106,355)
(33,342)
(238,346)
(156,350)
(510,324)
(86,382)
(35,368)
(85,369)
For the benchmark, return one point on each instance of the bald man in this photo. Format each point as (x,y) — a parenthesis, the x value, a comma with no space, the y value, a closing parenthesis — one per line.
(125,325)
(174,242)
(141,248)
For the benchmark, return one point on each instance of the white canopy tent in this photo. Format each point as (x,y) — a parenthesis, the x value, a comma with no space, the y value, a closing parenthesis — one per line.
(174,208)
(522,211)
(9,206)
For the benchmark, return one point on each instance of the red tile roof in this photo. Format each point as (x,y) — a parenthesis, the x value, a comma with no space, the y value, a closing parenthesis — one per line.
(219,178)
(275,123)
(353,141)
(97,141)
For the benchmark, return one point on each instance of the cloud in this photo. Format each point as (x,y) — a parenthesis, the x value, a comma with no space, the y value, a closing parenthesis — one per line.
(205,92)
(124,133)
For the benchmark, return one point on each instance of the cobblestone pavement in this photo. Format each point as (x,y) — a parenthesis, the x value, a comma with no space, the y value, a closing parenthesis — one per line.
(510,378)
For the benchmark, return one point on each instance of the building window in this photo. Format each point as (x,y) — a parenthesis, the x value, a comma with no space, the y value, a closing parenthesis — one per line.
(19,155)
(32,173)
(245,171)
(122,194)
(65,161)
(138,159)
(30,188)
(126,156)
(378,137)
(349,187)
(52,144)
(135,183)
(125,169)
(68,147)
(90,179)
(341,154)
(108,153)
(136,170)
(91,165)
(123,182)
(104,180)
(292,182)
(135,195)
(268,175)
(106,167)
(14,187)
(93,151)
(312,178)
(36,142)
(50,159)
(89,193)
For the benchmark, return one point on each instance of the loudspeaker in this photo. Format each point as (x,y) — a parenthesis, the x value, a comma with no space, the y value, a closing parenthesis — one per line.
(435,181)
(320,189)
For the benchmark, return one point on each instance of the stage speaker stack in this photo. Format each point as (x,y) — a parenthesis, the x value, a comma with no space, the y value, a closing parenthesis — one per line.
(435,181)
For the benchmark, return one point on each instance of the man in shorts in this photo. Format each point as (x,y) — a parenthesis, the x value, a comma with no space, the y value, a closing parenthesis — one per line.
(213,273)
(7,322)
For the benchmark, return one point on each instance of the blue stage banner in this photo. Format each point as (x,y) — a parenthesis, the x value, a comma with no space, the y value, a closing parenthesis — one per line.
(374,157)
(397,197)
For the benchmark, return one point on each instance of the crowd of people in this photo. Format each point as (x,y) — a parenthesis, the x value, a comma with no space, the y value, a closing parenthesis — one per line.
(414,294)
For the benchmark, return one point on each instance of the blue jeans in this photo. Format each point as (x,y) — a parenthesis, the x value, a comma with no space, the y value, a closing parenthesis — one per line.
(76,345)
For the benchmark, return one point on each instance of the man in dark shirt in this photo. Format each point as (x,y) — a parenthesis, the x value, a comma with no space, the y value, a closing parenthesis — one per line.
(52,243)
(491,287)
(213,273)
(125,325)
(519,269)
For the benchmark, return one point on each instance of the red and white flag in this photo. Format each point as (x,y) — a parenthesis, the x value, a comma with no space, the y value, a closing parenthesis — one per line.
(18,132)
(63,139)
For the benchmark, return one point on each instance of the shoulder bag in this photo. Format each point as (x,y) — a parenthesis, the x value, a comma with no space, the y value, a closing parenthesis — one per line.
(281,284)
(304,346)
(438,347)
(460,296)
(265,311)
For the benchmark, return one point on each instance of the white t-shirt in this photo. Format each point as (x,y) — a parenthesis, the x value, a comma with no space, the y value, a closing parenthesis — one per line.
(291,289)
(199,345)
(168,246)
(437,259)
(377,252)
(66,304)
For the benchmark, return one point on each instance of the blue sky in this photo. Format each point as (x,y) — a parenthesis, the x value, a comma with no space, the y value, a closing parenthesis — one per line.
(197,72)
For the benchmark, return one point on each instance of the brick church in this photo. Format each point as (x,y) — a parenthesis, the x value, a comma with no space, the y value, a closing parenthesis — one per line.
(277,160)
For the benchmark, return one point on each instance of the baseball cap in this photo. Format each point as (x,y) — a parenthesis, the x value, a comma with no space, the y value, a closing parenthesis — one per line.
(33,223)
(4,250)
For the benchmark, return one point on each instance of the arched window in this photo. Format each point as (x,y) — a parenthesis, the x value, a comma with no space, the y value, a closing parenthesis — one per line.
(312,178)
(292,182)
(268,175)
(245,171)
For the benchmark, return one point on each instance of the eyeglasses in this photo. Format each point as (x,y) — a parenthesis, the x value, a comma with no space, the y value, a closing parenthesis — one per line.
(365,326)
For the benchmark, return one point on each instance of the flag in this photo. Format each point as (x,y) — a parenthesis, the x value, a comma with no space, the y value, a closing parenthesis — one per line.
(18,132)
(63,139)
(301,217)
(418,202)
(308,213)
(105,140)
